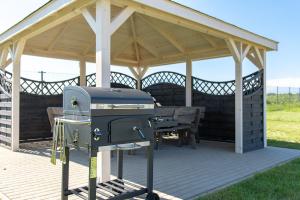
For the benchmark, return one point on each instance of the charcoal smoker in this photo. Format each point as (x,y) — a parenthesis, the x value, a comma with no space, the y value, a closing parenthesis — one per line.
(105,119)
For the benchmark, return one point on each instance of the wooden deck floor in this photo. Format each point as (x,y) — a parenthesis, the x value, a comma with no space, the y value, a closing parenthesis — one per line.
(180,173)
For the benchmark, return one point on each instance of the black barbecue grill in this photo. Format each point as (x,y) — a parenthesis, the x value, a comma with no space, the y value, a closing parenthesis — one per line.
(105,119)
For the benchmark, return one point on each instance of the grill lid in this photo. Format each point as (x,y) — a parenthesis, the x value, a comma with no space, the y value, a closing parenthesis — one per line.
(117,96)
(80,100)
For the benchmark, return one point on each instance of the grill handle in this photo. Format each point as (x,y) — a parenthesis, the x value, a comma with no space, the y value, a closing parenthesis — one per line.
(138,130)
(127,106)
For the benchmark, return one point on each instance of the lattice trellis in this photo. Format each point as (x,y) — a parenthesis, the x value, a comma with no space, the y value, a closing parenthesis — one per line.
(251,83)
(115,77)
(5,84)
(213,88)
(46,88)
(164,77)
(91,80)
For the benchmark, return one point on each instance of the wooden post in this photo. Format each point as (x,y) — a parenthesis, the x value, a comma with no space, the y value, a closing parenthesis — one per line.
(16,51)
(138,74)
(188,83)
(239,51)
(238,107)
(265,97)
(82,65)
(103,42)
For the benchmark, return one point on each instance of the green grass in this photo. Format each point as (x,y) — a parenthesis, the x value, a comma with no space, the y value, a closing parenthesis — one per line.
(280,183)
(283,126)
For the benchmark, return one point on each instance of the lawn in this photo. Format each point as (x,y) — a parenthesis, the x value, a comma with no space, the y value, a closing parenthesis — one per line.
(283,126)
(280,183)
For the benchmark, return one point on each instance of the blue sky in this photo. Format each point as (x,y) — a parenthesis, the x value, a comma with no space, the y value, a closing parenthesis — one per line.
(276,19)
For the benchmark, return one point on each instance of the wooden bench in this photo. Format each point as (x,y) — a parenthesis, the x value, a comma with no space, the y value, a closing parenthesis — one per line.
(186,122)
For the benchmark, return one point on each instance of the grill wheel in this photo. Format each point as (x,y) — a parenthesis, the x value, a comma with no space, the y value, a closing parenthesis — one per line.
(152,196)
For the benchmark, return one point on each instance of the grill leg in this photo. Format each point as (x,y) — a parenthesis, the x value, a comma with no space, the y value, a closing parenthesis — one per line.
(150,168)
(92,174)
(120,163)
(65,176)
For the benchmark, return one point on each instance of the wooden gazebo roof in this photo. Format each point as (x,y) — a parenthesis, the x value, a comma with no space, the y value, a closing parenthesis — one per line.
(157,32)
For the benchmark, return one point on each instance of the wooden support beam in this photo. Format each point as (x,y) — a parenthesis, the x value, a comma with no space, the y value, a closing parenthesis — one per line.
(134,37)
(239,107)
(143,72)
(234,49)
(152,50)
(64,15)
(264,56)
(138,73)
(209,40)
(168,36)
(58,36)
(16,51)
(8,62)
(82,69)
(259,57)
(89,19)
(239,51)
(253,56)
(188,83)
(103,51)
(134,72)
(121,19)
(3,56)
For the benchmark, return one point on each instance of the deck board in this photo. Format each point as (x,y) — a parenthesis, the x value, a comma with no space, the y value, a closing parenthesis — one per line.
(180,173)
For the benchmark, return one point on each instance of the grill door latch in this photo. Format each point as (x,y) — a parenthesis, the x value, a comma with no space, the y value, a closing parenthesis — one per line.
(139,131)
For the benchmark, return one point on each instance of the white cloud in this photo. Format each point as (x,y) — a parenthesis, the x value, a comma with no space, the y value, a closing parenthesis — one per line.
(286,82)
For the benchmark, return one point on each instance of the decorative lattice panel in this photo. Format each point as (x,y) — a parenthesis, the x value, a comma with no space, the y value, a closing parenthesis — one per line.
(115,77)
(123,79)
(46,88)
(5,84)
(214,88)
(253,82)
(163,77)
(91,80)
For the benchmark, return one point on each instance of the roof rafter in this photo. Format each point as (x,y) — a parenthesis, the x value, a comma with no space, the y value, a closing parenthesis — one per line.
(134,36)
(148,47)
(121,19)
(168,36)
(209,40)
(58,36)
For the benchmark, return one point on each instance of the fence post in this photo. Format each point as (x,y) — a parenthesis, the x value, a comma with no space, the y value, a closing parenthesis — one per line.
(289,98)
(277,96)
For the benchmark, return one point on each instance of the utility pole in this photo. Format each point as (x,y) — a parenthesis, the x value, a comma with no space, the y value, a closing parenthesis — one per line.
(42,80)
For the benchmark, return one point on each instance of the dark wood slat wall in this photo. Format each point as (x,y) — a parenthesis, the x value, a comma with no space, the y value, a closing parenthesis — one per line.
(5,120)
(34,122)
(253,121)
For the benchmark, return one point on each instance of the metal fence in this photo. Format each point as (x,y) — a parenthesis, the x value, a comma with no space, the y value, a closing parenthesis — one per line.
(283,95)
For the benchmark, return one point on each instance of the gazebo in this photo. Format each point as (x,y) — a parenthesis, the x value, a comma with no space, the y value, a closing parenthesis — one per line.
(137,34)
